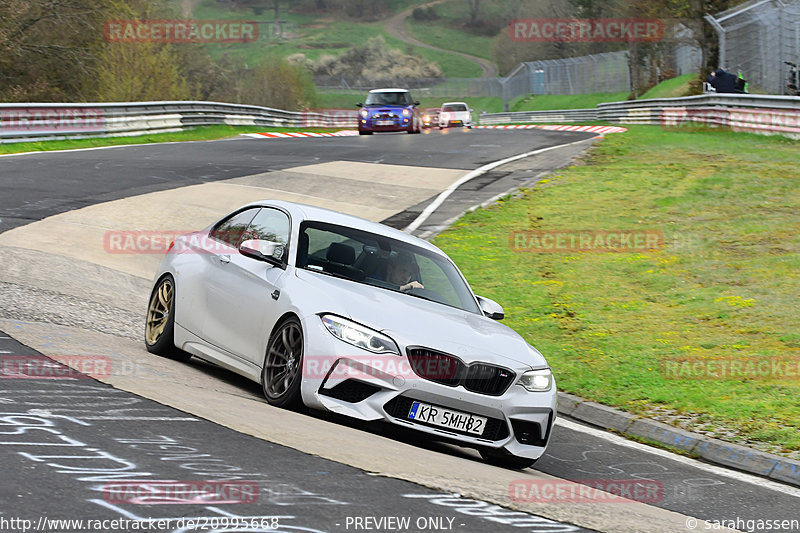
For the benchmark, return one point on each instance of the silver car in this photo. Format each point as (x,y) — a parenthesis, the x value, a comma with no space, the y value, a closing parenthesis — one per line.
(336,313)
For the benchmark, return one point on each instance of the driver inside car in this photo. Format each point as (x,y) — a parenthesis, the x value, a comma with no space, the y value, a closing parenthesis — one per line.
(401,272)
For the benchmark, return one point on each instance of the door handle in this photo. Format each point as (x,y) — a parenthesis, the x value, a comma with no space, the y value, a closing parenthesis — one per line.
(224,258)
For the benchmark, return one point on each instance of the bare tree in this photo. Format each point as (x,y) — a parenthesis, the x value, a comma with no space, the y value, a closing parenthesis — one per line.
(474,7)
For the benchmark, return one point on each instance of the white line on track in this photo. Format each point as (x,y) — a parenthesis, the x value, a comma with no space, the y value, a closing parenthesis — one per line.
(153,418)
(694,463)
(474,174)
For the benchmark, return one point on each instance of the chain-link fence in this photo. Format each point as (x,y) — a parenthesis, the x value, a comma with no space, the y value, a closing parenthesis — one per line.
(757,39)
(576,75)
(686,57)
(597,73)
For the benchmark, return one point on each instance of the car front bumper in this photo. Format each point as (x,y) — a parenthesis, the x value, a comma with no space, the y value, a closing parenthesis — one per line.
(347,380)
(400,124)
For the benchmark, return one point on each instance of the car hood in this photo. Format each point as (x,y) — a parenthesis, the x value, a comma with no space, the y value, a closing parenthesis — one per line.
(413,321)
(382,108)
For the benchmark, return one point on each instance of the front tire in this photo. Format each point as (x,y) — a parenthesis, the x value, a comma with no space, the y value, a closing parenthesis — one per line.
(504,459)
(159,329)
(362,132)
(281,375)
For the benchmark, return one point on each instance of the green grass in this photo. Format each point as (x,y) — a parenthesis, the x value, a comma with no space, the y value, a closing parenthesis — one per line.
(448,38)
(666,89)
(452,66)
(724,286)
(546,102)
(315,36)
(201,133)
(671,88)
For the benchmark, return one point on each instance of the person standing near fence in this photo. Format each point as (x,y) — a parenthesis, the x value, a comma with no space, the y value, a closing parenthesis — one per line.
(725,82)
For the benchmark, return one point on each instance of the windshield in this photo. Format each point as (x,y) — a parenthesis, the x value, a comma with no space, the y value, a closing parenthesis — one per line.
(454,107)
(389,98)
(382,262)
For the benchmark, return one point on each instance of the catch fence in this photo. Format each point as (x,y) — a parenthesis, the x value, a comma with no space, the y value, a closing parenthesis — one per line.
(758,38)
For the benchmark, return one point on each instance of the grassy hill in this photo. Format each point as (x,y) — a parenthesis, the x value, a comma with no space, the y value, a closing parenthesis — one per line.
(672,88)
(315,35)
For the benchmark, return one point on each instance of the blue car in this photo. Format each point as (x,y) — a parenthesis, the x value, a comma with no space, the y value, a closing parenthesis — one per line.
(389,110)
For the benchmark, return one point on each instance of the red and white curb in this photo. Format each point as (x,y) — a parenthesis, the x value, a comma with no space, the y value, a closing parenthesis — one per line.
(276,135)
(602,130)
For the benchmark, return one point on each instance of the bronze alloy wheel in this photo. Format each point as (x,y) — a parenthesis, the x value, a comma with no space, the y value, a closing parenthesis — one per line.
(159,311)
(281,375)
(159,329)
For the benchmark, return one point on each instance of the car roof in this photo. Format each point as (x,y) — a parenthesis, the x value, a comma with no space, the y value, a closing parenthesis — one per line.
(451,103)
(389,91)
(302,212)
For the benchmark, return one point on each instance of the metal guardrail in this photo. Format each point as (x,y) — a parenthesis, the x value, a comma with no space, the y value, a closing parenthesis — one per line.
(765,114)
(754,113)
(40,122)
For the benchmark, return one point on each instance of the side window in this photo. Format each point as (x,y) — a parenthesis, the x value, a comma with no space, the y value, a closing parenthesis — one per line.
(230,231)
(269,225)
(320,240)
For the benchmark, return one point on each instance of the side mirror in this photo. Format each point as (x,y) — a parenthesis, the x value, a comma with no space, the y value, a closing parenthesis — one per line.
(416,103)
(359,104)
(268,251)
(491,308)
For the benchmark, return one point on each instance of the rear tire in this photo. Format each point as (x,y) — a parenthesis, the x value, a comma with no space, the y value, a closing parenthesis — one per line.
(159,329)
(281,375)
(504,459)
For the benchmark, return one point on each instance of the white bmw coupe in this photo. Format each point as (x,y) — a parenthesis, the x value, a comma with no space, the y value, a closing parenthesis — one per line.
(337,313)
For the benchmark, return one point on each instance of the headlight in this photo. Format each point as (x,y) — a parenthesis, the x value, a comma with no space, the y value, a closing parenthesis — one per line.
(406,112)
(364,113)
(358,335)
(537,380)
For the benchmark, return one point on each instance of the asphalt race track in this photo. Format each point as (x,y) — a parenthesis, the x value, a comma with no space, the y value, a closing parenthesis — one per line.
(64,292)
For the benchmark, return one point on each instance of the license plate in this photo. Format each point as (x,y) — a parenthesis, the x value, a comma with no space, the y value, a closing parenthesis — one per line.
(384,123)
(456,122)
(439,416)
